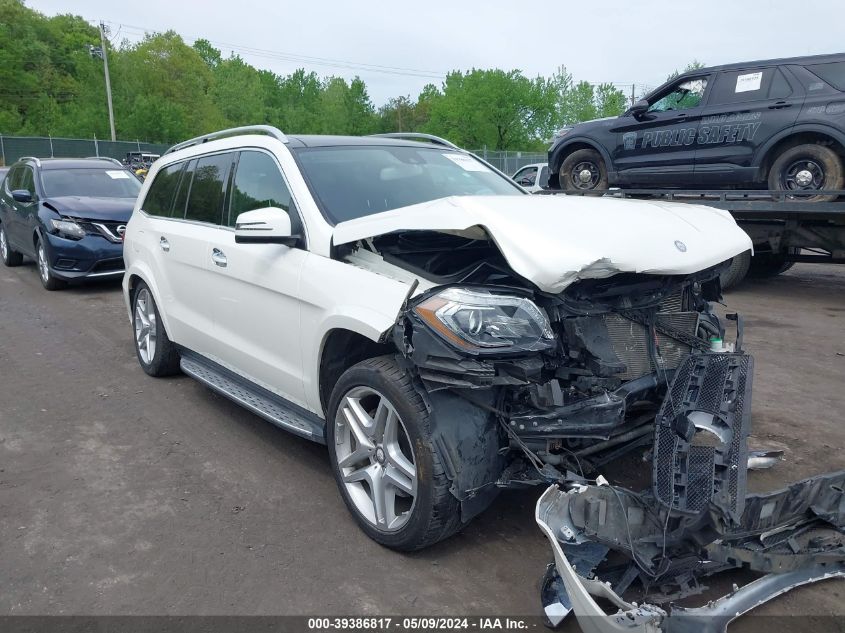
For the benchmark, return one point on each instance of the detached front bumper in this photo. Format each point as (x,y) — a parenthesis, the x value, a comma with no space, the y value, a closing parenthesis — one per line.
(695,521)
(92,257)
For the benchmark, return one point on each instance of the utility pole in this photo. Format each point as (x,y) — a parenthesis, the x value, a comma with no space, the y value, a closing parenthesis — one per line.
(108,81)
(633,93)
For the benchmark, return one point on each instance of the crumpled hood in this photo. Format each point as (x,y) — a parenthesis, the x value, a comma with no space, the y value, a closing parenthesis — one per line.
(105,209)
(555,240)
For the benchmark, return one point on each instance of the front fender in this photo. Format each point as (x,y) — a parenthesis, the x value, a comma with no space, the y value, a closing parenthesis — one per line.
(557,153)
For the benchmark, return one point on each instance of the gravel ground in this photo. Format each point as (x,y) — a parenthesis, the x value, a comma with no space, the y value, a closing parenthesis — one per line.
(123,494)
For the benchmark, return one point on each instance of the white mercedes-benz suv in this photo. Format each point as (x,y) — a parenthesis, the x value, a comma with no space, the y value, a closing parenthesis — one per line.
(398,299)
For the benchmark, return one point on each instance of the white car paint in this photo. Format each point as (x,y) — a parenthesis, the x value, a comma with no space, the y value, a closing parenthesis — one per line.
(555,240)
(267,314)
(541,177)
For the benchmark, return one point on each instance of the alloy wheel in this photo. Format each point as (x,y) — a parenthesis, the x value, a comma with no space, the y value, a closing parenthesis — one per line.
(43,266)
(4,247)
(375,459)
(145,326)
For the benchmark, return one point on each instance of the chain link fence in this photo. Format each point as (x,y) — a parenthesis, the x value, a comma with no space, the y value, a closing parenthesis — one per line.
(13,148)
(508,161)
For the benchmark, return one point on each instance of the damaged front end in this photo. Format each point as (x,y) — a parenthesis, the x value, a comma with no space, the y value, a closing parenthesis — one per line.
(695,521)
(523,385)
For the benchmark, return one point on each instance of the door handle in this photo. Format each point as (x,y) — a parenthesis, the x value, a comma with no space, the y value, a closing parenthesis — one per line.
(164,244)
(219,257)
(779,105)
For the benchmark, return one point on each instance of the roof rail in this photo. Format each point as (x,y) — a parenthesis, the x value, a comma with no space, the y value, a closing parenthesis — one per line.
(108,158)
(33,158)
(422,137)
(269,130)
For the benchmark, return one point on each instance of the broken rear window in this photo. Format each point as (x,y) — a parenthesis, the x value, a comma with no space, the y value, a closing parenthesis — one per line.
(352,182)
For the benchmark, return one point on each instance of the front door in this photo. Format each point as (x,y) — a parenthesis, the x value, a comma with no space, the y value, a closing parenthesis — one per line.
(658,146)
(256,286)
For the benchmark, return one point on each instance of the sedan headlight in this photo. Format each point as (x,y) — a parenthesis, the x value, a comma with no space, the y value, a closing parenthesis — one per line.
(68,228)
(482,321)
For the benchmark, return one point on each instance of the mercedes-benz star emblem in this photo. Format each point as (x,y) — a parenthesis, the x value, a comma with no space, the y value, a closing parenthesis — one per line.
(680,246)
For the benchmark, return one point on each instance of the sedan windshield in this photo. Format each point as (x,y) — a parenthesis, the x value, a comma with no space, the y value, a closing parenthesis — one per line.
(90,182)
(352,182)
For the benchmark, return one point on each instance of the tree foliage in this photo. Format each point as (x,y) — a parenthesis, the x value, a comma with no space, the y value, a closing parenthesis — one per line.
(165,90)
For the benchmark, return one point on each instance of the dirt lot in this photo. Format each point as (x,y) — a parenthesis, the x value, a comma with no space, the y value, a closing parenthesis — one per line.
(124,494)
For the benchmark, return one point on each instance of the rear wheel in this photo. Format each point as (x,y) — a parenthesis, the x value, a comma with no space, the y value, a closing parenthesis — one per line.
(389,471)
(737,271)
(156,353)
(583,170)
(808,167)
(48,280)
(10,257)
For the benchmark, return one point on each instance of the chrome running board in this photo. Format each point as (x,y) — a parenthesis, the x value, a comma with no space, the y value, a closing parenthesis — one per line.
(263,403)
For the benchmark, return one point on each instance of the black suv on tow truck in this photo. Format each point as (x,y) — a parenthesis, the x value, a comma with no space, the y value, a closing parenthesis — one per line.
(777,124)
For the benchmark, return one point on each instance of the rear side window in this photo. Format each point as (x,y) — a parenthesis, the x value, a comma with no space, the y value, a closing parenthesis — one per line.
(159,198)
(184,188)
(259,184)
(742,86)
(205,202)
(833,73)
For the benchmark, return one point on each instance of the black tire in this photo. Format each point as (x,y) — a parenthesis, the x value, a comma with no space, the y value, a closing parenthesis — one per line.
(821,162)
(10,257)
(737,271)
(768,264)
(42,261)
(165,357)
(578,162)
(435,513)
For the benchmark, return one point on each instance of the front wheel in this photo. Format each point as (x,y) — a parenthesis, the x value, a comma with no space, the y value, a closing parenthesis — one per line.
(389,471)
(583,170)
(807,168)
(48,280)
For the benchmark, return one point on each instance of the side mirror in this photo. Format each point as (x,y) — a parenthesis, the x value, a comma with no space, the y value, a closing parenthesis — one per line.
(526,182)
(270,225)
(639,108)
(22,195)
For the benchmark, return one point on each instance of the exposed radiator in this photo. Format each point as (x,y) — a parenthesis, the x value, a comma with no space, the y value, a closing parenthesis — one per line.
(630,341)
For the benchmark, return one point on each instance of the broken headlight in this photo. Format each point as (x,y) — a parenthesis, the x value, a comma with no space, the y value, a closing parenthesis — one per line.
(482,321)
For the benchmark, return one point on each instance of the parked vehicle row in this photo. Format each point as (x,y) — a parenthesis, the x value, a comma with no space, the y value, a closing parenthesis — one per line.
(69,215)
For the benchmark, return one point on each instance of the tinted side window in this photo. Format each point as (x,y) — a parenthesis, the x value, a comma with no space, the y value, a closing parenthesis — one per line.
(259,184)
(27,181)
(741,86)
(13,178)
(780,86)
(833,73)
(205,203)
(184,188)
(160,194)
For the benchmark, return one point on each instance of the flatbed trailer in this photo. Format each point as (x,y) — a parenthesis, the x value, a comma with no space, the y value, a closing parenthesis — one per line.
(785,226)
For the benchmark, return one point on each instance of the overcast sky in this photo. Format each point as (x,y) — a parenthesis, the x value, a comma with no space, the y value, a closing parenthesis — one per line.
(630,41)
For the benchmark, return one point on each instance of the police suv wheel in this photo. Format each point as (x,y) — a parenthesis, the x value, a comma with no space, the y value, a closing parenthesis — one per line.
(583,170)
(807,167)
(389,470)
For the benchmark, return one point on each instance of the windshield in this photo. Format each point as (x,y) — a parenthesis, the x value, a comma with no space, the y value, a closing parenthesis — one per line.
(352,182)
(90,182)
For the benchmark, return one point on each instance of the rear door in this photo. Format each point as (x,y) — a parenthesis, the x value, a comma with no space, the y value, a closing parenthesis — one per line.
(185,205)
(24,215)
(745,108)
(658,147)
(256,299)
